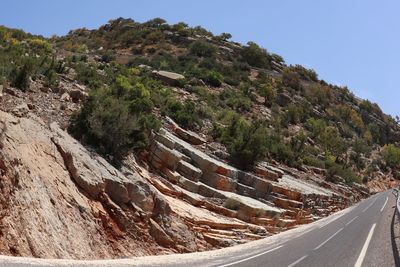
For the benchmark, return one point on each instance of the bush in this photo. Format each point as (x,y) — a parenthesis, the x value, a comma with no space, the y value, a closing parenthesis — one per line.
(214,78)
(249,146)
(40,45)
(20,77)
(391,155)
(116,120)
(186,115)
(315,126)
(202,49)
(306,74)
(312,161)
(256,56)
(87,75)
(346,173)
(268,92)
(291,79)
(332,142)
(235,100)
(246,142)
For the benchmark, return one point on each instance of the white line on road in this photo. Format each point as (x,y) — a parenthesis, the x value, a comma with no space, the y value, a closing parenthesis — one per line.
(323,243)
(370,205)
(384,205)
(365,247)
(299,260)
(351,220)
(252,257)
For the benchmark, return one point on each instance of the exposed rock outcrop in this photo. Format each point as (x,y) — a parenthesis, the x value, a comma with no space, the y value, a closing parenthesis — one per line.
(60,200)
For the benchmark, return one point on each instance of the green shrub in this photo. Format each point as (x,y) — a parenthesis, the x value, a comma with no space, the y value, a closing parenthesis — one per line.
(249,146)
(87,75)
(268,91)
(186,115)
(214,78)
(291,79)
(235,100)
(306,74)
(202,49)
(246,142)
(116,120)
(331,140)
(312,161)
(20,77)
(315,126)
(346,173)
(256,56)
(391,155)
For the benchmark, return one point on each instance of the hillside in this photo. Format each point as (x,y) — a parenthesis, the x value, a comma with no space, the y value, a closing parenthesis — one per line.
(149,138)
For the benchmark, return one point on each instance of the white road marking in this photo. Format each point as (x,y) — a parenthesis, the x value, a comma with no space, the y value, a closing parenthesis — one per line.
(323,243)
(351,220)
(365,247)
(384,205)
(249,258)
(299,260)
(370,205)
(325,224)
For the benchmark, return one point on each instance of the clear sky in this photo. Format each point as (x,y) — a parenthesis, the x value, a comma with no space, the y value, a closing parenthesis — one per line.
(348,42)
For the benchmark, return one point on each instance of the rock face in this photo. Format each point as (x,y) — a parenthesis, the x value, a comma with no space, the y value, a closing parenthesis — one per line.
(271,197)
(59,200)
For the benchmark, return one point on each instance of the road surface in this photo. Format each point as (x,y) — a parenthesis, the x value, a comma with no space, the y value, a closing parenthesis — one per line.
(358,236)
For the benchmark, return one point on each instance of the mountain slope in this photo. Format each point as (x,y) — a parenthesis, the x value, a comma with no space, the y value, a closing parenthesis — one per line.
(182,141)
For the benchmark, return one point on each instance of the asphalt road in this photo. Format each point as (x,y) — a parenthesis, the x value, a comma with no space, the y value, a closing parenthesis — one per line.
(358,236)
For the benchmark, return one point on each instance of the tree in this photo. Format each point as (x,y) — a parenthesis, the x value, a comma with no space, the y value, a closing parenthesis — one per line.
(256,56)
(225,36)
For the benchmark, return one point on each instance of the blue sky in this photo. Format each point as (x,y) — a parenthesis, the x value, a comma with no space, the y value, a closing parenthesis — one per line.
(348,42)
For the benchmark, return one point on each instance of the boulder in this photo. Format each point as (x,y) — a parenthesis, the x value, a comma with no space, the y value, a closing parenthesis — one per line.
(167,77)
